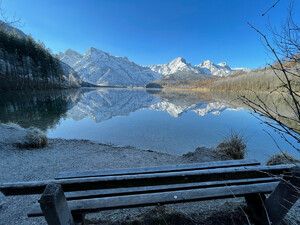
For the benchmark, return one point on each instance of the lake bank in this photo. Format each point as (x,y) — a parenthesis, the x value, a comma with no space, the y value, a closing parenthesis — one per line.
(75,155)
(67,155)
(174,122)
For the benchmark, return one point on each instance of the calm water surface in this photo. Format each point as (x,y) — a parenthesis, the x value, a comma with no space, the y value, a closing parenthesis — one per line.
(168,121)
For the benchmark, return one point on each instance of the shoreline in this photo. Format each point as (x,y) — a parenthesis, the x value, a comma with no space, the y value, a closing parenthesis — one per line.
(72,155)
(78,155)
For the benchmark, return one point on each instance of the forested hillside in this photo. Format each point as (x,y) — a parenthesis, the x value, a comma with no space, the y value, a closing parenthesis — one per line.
(180,80)
(264,80)
(27,64)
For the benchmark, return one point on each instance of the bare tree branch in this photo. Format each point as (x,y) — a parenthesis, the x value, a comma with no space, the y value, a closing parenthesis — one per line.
(271,8)
(4,19)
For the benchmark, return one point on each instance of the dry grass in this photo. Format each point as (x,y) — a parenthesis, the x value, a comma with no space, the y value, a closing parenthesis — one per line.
(160,216)
(35,138)
(234,147)
(283,158)
(227,214)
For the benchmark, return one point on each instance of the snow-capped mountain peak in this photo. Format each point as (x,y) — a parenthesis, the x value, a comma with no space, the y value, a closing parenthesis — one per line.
(225,65)
(94,52)
(72,52)
(176,65)
(242,70)
(205,63)
(179,60)
(221,69)
(179,64)
(70,57)
(207,67)
(101,68)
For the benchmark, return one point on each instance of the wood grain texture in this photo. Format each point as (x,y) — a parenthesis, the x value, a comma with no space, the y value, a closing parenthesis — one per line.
(158,169)
(219,174)
(55,207)
(161,188)
(129,201)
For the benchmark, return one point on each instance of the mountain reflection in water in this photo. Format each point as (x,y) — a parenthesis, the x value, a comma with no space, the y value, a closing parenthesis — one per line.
(169,121)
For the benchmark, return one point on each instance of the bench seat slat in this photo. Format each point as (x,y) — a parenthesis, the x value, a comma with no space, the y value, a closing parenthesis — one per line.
(235,173)
(158,169)
(96,204)
(160,188)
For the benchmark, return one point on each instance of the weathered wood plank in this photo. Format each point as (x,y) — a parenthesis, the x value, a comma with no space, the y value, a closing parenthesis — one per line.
(247,172)
(158,169)
(255,203)
(128,201)
(160,188)
(55,207)
(283,197)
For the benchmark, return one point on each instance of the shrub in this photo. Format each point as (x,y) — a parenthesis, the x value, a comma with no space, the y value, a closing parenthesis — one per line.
(283,158)
(35,138)
(234,147)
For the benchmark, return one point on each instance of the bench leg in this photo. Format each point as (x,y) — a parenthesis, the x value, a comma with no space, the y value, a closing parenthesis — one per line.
(255,204)
(284,196)
(273,209)
(78,218)
(54,206)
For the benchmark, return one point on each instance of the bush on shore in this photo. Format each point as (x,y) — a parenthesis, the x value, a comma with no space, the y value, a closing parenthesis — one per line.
(35,138)
(234,147)
(283,158)
(14,134)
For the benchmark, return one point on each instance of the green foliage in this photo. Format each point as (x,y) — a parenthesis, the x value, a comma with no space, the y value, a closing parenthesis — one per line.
(28,64)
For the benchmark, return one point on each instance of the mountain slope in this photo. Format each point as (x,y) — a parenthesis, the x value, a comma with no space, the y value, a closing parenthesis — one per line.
(180,66)
(98,67)
(12,30)
(70,57)
(27,64)
(177,65)
(221,69)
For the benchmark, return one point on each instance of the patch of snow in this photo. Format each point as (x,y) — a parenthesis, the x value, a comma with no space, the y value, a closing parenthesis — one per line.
(101,68)
(207,67)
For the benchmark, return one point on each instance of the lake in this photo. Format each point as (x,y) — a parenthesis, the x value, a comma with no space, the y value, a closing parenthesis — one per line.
(175,122)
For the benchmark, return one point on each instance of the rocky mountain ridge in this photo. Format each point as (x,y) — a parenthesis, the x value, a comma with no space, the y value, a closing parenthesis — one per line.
(206,67)
(101,68)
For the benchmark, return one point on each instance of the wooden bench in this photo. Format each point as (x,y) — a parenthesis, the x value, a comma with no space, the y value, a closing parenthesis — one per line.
(72,194)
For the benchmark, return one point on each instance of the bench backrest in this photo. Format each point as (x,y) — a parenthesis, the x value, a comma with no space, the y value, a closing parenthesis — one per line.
(123,188)
(166,178)
(158,169)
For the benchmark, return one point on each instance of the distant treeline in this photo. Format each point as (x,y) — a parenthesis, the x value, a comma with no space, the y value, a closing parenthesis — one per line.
(257,81)
(27,64)
(179,80)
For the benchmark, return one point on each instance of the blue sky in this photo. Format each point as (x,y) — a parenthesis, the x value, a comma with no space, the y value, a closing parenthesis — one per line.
(156,31)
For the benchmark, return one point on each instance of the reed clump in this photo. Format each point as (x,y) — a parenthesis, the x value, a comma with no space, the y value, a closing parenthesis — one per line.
(34,138)
(234,147)
(282,158)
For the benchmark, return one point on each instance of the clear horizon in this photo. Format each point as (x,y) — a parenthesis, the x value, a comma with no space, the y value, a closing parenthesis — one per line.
(154,32)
